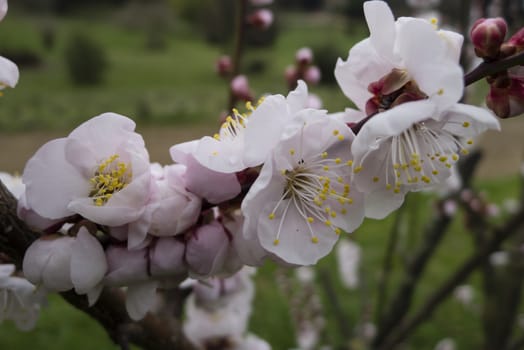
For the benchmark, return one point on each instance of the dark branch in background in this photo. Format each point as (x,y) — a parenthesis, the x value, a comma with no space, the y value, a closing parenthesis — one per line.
(150,333)
(343,322)
(240,30)
(447,287)
(387,265)
(486,69)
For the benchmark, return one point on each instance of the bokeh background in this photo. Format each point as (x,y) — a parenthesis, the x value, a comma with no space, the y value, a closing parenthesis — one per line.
(154,61)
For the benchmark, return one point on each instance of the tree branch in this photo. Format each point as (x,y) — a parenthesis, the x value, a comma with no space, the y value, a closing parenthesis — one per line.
(490,68)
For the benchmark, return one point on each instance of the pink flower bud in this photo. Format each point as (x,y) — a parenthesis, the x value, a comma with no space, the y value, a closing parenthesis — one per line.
(167,257)
(291,75)
(207,250)
(312,75)
(304,56)
(314,101)
(223,66)
(517,40)
(506,95)
(240,88)
(261,19)
(487,35)
(126,267)
(48,262)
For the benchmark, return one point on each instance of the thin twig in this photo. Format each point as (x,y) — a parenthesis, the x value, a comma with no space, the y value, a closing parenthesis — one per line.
(490,68)
(240,29)
(383,283)
(446,288)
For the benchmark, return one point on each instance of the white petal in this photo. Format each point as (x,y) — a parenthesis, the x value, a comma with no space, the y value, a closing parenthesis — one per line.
(88,262)
(52,182)
(3,9)
(140,299)
(380,204)
(297,99)
(94,293)
(9,73)
(381,24)
(479,120)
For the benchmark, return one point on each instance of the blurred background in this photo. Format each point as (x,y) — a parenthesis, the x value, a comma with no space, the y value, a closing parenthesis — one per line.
(154,61)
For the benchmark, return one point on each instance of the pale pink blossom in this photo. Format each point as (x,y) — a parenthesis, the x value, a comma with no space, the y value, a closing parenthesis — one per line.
(312,75)
(100,171)
(302,200)
(261,19)
(171,208)
(304,56)
(348,258)
(196,177)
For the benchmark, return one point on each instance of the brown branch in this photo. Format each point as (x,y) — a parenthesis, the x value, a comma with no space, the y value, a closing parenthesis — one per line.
(240,29)
(152,332)
(490,68)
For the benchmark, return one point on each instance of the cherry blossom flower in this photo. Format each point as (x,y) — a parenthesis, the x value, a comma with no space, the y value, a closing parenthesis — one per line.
(196,177)
(401,61)
(9,73)
(171,208)
(229,152)
(20,301)
(303,200)
(219,311)
(100,171)
(410,147)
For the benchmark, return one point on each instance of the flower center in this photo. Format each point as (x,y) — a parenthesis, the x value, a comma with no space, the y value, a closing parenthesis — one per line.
(391,90)
(317,190)
(110,177)
(418,155)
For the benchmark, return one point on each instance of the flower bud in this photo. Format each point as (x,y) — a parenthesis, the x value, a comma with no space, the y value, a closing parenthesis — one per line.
(312,75)
(240,88)
(224,66)
(207,250)
(304,56)
(167,258)
(291,75)
(261,19)
(126,267)
(517,40)
(48,262)
(487,35)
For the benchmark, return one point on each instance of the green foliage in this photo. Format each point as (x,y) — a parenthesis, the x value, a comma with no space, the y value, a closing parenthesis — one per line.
(86,60)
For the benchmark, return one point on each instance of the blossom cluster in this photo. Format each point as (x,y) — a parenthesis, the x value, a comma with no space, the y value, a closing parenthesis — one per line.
(279,180)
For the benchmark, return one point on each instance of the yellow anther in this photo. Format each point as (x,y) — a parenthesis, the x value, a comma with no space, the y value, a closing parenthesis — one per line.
(464,151)
(375,179)
(343,211)
(396,166)
(433,21)
(310,219)
(336,132)
(358,169)
(333,214)
(215,153)
(283,172)
(388,186)
(350,200)
(466,124)
(440,92)
(455,157)
(340,137)
(292,151)
(327,222)
(338,231)
(396,190)
(443,159)
(324,155)
(271,216)
(276,242)
(418,168)
(216,137)
(314,239)
(340,179)
(469,142)
(338,160)
(325,167)
(349,163)
(435,172)
(426,179)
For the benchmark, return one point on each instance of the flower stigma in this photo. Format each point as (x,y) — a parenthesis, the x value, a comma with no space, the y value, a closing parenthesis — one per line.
(317,189)
(110,177)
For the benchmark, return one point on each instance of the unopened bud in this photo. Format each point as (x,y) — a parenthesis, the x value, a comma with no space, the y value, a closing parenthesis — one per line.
(240,88)
(488,35)
(517,40)
(507,100)
(312,75)
(261,19)
(223,66)
(304,56)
